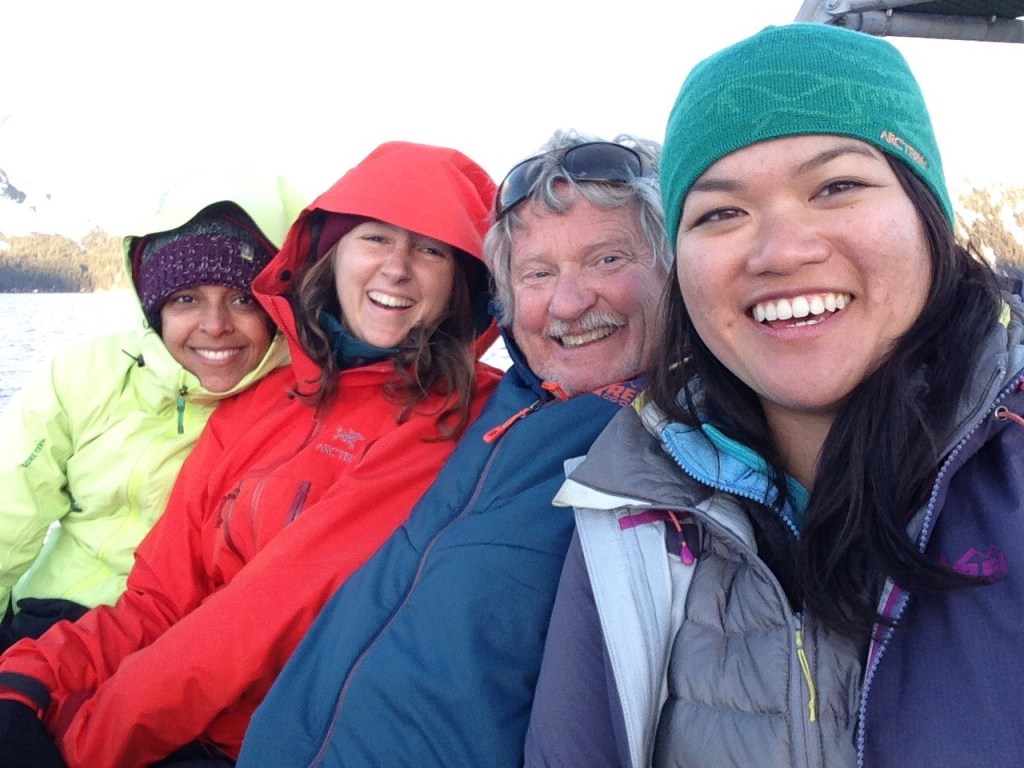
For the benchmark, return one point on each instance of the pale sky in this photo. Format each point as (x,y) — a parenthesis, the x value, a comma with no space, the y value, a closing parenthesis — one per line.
(104,102)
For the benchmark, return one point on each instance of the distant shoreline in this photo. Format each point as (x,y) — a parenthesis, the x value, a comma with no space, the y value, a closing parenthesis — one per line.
(56,264)
(111,289)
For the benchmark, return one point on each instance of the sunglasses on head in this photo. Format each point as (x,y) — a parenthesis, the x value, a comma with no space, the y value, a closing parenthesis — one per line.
(594,161)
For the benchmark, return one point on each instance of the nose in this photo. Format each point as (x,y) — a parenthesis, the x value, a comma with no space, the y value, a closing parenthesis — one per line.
(215,320)
(397,263)
(571,298)
(786,241)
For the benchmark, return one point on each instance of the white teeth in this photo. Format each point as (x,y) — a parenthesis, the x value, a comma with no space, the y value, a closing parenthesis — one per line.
(216,354)
(387,300)
(578,340)
(800,307)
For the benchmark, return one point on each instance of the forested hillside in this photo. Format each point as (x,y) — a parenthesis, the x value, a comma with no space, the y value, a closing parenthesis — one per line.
(58,264)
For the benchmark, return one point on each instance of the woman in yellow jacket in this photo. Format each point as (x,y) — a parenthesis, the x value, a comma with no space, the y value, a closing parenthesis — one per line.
(92,444)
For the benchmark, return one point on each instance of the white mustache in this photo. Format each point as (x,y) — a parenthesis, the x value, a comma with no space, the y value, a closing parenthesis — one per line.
(591,321)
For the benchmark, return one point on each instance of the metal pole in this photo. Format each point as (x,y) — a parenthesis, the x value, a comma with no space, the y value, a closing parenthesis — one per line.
(857,6)
(926,25)
(821,11)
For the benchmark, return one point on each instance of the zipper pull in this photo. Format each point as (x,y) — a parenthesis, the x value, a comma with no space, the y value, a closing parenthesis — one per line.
(181,409)
(687,530)
(501,429)
(805,667)
(555,389)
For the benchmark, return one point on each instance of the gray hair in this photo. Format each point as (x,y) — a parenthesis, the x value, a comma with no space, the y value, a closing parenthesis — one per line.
(642,191)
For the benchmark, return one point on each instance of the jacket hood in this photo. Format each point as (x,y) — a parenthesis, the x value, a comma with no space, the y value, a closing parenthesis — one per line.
(434,191)
(271,202)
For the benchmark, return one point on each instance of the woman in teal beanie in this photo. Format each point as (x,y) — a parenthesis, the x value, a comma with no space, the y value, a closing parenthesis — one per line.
(806,545)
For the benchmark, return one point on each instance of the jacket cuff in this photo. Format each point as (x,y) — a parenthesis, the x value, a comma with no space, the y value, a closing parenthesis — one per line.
(26,689)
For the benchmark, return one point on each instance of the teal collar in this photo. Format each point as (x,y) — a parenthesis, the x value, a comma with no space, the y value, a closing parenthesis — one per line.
(350,352)
(718,461)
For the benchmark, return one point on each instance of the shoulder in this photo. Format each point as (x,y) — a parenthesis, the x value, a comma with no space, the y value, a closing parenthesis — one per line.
(99,352)
(275,389)
(487,376)
(91,371)
(625,432)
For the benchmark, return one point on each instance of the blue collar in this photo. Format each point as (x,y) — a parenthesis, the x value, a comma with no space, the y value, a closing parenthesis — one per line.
(720,462)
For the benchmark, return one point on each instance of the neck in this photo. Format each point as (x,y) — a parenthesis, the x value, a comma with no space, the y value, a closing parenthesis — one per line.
(799,436)
(349,351)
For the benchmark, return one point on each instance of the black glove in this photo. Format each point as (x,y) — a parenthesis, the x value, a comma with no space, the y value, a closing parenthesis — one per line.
(24,740)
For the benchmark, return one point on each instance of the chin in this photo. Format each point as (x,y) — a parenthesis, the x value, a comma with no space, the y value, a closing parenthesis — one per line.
(578,386)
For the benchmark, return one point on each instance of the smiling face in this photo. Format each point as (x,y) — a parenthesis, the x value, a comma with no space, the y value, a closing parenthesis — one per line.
(217,333)
(390,280)
(585,286)
(802,261)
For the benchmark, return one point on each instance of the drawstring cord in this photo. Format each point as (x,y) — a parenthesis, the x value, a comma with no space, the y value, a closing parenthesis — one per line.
(685,550)
(139,361)
(686,528)
(1005,414)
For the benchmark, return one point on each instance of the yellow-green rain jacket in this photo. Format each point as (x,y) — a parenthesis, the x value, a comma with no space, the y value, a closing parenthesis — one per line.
(92,444)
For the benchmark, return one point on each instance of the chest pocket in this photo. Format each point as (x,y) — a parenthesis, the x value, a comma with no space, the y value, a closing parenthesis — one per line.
(257,510)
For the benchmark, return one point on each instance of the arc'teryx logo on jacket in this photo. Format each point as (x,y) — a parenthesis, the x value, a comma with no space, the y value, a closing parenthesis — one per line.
(349,438)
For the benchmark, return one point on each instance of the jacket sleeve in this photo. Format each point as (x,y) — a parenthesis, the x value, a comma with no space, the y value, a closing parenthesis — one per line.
(66,665)
(576,718)
(218,661)
(34,449)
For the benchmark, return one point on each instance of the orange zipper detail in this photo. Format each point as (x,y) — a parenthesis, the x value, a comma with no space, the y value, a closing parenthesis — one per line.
(501,429)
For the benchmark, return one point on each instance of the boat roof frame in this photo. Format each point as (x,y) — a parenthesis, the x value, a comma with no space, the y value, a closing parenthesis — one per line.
(998,21)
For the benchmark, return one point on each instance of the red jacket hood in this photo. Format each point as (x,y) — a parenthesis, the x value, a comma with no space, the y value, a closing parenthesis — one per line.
(435,191)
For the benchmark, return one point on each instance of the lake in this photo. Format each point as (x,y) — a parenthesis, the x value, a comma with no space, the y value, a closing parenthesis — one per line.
(34,325)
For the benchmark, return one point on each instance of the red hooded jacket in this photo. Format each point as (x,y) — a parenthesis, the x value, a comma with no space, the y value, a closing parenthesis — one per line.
(278,503)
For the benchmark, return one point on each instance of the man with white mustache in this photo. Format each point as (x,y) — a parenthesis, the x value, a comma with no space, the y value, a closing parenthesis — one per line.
(578,278)
(428,655)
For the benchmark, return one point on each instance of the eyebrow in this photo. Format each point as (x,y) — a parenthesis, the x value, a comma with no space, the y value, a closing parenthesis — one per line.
(828,155)
(822,158)
(715,185)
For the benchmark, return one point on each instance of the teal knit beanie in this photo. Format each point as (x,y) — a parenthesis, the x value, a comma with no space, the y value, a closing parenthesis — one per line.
(790,81)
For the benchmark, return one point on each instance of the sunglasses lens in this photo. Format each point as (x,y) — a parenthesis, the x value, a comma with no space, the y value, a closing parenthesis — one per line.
(602,161)
(517,185)
(597,161)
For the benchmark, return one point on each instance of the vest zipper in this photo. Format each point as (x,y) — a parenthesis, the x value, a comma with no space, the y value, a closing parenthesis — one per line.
(805,667)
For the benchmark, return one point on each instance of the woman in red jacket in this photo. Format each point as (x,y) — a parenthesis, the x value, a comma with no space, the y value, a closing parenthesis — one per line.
(382,293)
